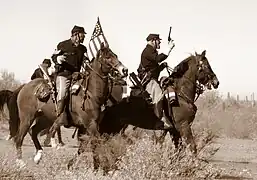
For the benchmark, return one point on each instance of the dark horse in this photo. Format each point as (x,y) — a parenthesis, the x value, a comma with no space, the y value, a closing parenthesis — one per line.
(5,96)
(83,111)
(185,79)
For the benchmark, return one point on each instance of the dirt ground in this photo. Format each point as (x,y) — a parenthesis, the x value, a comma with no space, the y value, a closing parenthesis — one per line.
(238,157)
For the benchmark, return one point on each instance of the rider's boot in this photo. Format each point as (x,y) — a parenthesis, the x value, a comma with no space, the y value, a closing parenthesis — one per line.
(159,112)
(60,107)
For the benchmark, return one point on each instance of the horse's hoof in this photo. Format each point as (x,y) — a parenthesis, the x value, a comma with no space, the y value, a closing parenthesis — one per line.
(38,156)
(20,163)
(8,137)
(70,163)
(47,142)
(53,143)
(61,144)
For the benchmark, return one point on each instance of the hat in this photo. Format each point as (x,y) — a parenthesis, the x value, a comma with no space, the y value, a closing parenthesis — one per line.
(78,29)
(153,37)
(47,61)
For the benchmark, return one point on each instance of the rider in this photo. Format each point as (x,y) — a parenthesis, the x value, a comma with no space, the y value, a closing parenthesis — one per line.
(149,71)
(46,65)
(68,59)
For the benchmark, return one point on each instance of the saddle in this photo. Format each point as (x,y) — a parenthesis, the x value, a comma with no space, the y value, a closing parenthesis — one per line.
(43,92)
(138,89)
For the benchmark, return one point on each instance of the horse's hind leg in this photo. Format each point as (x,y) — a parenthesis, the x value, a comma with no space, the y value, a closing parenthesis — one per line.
(35,131)
(26,121)
(59,136)
(54,128)
(48,137)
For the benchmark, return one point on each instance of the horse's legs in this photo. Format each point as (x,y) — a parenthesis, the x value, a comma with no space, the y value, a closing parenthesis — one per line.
(122,132)
(56,125)
(48,137)
(35,130)
(81,131)
(161,139)
(26,121)
(59,136)
(175,137)
(186,133)
(93,132)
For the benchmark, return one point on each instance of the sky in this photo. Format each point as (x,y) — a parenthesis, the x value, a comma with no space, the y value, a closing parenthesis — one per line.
(226,29)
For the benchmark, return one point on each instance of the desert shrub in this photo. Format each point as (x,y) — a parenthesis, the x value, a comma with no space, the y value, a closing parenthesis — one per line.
(225,117)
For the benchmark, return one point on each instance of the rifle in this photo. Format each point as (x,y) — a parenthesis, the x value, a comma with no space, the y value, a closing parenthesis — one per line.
(138,83)
(51,85)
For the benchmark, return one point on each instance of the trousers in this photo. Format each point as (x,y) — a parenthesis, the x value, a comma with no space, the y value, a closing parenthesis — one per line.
(155,91)
(62,86)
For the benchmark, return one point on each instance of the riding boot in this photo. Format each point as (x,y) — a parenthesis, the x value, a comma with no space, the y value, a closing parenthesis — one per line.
(159,112)
(60,107)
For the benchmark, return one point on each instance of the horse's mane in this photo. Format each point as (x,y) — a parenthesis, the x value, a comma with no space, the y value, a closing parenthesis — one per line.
(182,67)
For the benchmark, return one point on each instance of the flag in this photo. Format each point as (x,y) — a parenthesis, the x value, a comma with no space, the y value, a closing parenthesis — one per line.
(96,39)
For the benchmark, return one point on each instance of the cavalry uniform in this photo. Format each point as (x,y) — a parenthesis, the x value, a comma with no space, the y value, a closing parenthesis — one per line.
(74,57)
(149,71)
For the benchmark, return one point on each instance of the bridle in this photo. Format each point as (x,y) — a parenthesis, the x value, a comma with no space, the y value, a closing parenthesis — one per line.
(200,88)
(102,61)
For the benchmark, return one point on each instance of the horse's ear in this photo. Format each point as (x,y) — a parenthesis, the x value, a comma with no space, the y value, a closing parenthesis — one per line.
(196,54)
(203,53)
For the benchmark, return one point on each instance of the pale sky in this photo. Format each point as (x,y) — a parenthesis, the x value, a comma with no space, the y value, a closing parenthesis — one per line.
(226,29)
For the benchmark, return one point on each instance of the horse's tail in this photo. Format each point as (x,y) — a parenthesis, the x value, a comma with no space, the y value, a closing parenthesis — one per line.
(5,96)
(14,112)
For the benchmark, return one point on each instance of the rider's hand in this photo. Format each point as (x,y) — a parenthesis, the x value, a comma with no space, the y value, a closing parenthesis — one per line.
(76,76)
(171,45)
(165,64)
(60,59)
(167,49)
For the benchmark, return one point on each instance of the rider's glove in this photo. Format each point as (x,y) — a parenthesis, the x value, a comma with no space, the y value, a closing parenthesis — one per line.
(60,59)
(167,49)
(163,65)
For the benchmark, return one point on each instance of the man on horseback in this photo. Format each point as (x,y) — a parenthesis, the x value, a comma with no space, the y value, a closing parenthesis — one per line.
(149,71)
(46,65)
(68,59)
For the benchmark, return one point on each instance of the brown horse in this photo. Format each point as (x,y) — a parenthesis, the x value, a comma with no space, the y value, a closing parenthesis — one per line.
(6,97)
(84,109)
(185,78)
(43,124)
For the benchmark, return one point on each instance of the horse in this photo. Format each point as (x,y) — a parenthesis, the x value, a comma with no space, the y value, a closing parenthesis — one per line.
(6,98)
(43,124)
(83,110)
(188,76)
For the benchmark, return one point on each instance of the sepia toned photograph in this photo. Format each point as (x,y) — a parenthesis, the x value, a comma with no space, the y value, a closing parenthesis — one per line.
(128,90)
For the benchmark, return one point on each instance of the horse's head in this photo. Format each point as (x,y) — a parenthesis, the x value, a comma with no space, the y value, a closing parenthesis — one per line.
(109,62)
(205,74)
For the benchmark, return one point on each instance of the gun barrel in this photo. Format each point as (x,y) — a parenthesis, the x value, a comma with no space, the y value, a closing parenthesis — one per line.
(169,38)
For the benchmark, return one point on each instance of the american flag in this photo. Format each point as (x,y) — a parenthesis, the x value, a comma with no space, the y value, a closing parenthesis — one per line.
(96,39)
